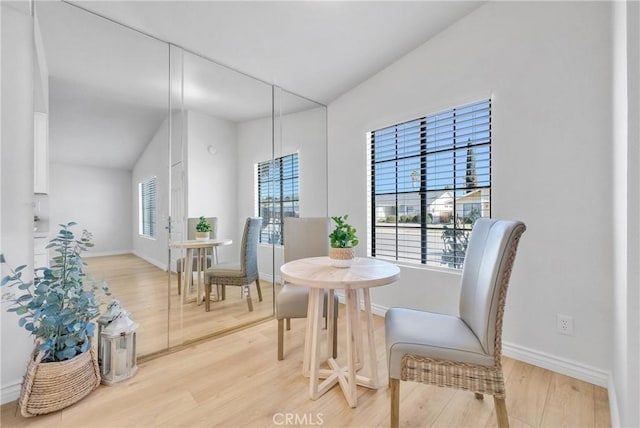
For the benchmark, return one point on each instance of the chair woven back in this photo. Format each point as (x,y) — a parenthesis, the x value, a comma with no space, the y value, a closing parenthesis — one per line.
(191,227)
(249,248)
(485,278)
(305,237)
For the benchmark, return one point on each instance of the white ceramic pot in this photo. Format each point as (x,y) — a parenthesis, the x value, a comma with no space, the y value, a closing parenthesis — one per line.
(202,236)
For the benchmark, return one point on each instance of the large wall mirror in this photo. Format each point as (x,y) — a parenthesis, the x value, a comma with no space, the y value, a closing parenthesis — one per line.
(145,138)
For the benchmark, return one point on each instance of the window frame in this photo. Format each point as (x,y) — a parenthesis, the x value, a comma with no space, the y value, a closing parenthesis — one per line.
(461,155)
(276,208)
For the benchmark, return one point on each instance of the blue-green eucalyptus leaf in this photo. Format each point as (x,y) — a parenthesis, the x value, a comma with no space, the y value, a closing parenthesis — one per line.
(24,286)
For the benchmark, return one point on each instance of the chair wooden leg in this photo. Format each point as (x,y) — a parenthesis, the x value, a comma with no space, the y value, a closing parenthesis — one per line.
(334,345)
(179,282)
(207,294)
(394,386)
(288,324)
(224,292)
(335,331)
(280,339)
(249,302)
(479,396)
(259,290)
(501,412)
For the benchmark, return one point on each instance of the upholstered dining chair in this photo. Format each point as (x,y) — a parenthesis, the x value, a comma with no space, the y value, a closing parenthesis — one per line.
(242,274)
(462,351)
(191,234)
(303,237)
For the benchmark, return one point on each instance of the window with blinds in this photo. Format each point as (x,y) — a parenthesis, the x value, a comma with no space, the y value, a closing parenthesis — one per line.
(278,196)
(430,179)
(147,192)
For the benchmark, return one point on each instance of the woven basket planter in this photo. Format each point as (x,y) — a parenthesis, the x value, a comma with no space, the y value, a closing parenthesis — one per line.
(341,257)
(48,387)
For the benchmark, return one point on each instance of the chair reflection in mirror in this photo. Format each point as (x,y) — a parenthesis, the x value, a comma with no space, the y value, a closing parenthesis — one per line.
(241,274)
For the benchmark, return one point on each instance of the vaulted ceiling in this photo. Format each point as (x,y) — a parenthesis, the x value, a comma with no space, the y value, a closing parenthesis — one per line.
(317,49)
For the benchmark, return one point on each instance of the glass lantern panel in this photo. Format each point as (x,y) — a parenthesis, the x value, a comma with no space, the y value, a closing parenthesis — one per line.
(106,356)
(121,356)
(132,346)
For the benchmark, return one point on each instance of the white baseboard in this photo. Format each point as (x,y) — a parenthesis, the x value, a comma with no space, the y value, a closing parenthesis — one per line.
(557,364)
(265,276)
(375,309)
(10,392)
(90,254)
(157,263)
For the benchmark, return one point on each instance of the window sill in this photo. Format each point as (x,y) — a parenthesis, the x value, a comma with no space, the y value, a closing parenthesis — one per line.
(416,266)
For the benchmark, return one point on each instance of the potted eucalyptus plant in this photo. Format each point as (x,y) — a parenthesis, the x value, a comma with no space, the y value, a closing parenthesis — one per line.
(58,308)
(343,239)
(203,229)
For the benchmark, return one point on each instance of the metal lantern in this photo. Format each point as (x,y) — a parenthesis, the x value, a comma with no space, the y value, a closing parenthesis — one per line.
(116,344)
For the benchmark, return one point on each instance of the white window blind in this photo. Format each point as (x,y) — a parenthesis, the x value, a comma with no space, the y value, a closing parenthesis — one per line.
(278,195)
(429,180)
(147,191)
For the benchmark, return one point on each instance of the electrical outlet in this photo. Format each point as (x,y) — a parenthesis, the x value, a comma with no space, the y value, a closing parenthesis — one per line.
(565,324)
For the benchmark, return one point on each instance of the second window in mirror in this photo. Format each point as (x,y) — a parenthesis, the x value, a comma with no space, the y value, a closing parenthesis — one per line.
(277,195)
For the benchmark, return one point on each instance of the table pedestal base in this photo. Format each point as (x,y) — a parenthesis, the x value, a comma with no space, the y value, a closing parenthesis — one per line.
(347,377)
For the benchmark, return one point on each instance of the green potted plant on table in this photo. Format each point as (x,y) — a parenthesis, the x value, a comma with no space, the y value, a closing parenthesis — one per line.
(343,239)
(203,229)
(57,308)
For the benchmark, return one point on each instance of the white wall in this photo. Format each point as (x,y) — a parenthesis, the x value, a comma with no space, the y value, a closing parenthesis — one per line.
(154,161)
(624,390)
(98,199)
(16,180)
(212,182)
(547,68)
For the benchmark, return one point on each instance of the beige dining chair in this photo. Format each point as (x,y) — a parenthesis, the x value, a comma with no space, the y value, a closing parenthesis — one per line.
(462,351)
(241,274)
(303,237)
(207,261)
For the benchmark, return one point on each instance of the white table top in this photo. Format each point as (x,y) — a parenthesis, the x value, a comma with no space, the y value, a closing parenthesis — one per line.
(204,243)
(317,272)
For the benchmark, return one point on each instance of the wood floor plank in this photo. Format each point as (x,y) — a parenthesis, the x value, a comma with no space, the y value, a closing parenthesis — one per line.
(601,400)
(527,388)
(464,410)
(570,403)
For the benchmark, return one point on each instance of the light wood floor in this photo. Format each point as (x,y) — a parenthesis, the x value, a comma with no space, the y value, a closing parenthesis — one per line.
(236,381)
(164,320)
